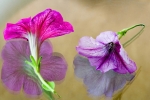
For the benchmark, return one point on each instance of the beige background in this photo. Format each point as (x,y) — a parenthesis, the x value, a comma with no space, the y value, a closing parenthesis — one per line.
(90,17)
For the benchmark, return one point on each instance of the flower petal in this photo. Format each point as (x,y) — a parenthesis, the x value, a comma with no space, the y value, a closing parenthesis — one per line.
(99,83)
(15,72)
(103,64)
(53,67)
(107,37)
(89,47)
(16,52)
(31,86)
(82,66)
(96,52)
(46,24)
(18,30)
(127,65)
(12,70)
(12,77)
(49,23)
(46,49)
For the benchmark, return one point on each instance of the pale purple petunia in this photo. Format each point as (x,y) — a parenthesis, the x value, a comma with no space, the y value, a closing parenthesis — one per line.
(106,53)
(16,74)
(99,83)
(46,24)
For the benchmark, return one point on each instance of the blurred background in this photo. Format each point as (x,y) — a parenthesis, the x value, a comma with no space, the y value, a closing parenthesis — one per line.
(89,18)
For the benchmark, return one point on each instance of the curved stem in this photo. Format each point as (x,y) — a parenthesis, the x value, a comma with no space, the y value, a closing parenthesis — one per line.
(133,38)
(127,29)
(124,31)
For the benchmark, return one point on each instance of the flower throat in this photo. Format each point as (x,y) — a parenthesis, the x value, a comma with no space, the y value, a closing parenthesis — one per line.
(110,46)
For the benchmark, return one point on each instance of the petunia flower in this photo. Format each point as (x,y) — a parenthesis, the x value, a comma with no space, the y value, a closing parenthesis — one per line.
(17,74)
(46,24)
(97,82)
(106,53)
(103,64)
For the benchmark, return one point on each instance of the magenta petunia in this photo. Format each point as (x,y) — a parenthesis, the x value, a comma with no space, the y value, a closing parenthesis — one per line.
(106,53)
(99,83)
(46,24)
(17,74)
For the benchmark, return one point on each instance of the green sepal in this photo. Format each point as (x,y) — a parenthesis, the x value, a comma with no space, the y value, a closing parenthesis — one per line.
(33,61)
(29,63)
(47,89)
(39,61)
(51,84)
(123,32)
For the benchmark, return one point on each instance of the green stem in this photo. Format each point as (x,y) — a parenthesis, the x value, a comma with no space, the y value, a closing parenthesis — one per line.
(43,82)
(40,77)
(49,95)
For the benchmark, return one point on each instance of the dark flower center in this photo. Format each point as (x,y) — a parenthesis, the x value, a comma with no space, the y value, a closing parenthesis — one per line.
(110,47)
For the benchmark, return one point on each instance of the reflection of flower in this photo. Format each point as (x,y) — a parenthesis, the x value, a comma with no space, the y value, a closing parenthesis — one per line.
(106,53)
(99,83)
(16,74)
(46,24)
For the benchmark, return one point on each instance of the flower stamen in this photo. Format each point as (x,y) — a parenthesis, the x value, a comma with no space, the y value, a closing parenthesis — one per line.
(110,47)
